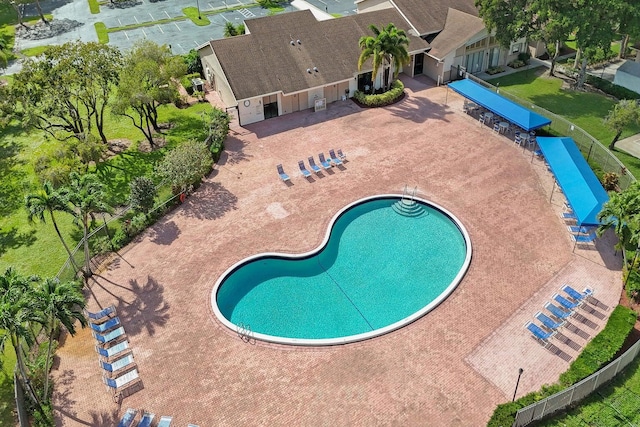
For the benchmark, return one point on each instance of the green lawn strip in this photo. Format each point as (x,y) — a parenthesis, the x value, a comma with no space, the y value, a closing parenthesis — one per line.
(102,32)
(623,392)
(7,15)
(630,162)
(587,110)
(94,6)
(196,16)
(7,401)
(34,51)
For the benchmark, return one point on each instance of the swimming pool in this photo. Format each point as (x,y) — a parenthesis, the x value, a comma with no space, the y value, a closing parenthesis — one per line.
(376,270)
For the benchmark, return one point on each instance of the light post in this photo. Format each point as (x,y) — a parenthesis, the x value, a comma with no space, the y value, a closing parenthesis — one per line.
(520,371)
(198,5)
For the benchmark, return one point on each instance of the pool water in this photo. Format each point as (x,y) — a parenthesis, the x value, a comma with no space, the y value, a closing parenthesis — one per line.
(377,268)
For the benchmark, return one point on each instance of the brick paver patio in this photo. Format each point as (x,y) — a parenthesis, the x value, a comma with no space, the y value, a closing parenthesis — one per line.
(450,368)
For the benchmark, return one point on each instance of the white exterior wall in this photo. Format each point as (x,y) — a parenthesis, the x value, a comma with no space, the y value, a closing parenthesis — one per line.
(251,113)
(316,93)
(215,76)
(627,80)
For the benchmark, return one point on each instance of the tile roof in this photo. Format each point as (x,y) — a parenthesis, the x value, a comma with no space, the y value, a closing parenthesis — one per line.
(459,28)
(429,16)
(265,61)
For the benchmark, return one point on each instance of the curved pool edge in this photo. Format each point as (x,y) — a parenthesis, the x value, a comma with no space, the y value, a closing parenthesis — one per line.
(320,342)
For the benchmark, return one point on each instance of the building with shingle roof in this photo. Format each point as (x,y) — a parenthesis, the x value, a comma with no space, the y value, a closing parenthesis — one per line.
(299,60)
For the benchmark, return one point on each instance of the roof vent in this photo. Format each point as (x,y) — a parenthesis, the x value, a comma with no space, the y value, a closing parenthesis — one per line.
(315,69)
(298,41)
(293,43)
(309,70)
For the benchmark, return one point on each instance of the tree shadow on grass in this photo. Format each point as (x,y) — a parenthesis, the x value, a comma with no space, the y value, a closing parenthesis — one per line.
(12,176)
(211,201)
(13,239)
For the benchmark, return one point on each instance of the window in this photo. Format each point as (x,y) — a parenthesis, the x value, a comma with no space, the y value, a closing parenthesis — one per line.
(476,45)
(516,47)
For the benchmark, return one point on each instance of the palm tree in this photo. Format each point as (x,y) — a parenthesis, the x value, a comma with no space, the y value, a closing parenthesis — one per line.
(389,46)
(619,212)
(49,200)
(59,302)
(17,307)
(85,195)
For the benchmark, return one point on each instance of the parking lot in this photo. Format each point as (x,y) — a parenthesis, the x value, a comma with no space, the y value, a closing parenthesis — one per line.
(182,35)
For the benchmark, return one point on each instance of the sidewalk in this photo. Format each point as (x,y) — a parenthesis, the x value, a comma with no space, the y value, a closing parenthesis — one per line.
(630,145)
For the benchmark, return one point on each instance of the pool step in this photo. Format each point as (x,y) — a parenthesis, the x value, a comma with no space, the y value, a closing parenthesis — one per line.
(409,208)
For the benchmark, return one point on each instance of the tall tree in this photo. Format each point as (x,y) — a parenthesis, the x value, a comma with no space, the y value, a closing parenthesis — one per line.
(86,197)
(628,16)
(388,47)
(148,80)
(49,200)
(17,308)
(624,113)
(64,91)
(59,302)
(618,213)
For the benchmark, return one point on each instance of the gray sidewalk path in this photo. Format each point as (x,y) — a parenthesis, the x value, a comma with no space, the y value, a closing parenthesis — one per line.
(630,145)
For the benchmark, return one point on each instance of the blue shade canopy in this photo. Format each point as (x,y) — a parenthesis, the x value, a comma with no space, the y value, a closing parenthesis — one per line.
(579,184)
(515,113)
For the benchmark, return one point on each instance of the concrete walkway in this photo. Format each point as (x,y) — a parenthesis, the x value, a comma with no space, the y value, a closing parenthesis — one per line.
(630,145)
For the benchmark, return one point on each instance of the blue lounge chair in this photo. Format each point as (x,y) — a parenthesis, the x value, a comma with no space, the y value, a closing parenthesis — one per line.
(565,302)
(547,321)
(584,239)
(127,418)
(556,311)
(101,315)
(323,161)
(538,332)
(578,229)
(119,364)
(146,419)
(103,339)
(334,159)
(575,294)
(283,176)
(113,351)
(303,169)
(313,166)
(109,324)
(568,215)
(125,380)
(341,155)
(165,421)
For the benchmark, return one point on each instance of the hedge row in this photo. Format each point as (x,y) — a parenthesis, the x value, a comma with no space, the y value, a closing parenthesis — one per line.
(595,355)
(612,89)
(386,98)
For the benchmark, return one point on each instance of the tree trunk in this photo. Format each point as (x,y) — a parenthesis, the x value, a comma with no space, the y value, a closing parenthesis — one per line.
(66,248)
(15,341)
(555,58)
(87,255)
(46,362)
(623,46)
(19,13)
(612,145)
(149,134)
(99,119)
(40,12)
(576,62)
(583,73)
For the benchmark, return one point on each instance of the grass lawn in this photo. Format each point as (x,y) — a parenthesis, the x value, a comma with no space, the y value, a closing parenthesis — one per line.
(587,110)
(197,17)
(616,404)
(7,402)
(34,51)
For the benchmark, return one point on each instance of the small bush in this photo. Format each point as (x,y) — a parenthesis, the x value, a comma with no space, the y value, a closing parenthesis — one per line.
(185,81)
(386,98)
(516,63)
(524,57)
(120,239)
(101,245)
(142,194)
(495,70)
(609,88)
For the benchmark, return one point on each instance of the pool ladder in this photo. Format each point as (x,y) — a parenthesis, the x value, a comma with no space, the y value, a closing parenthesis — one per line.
(244,332)
(407,205)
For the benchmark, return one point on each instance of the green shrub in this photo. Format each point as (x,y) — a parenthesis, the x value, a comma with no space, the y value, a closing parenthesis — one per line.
(101,245)
(612,89)
(495,70)
(120,239)
(142,194)
(516,63)
(386,98)
(603,347)
(596,354)
(185,81)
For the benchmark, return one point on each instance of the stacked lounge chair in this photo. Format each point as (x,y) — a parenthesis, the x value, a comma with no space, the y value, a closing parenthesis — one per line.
(165,421)
(118,384)
(119,365)
(146,419)
(106,326)
(127,418)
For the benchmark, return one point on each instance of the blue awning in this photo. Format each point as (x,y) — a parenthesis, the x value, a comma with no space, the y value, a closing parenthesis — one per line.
(579,184)
(515,113)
